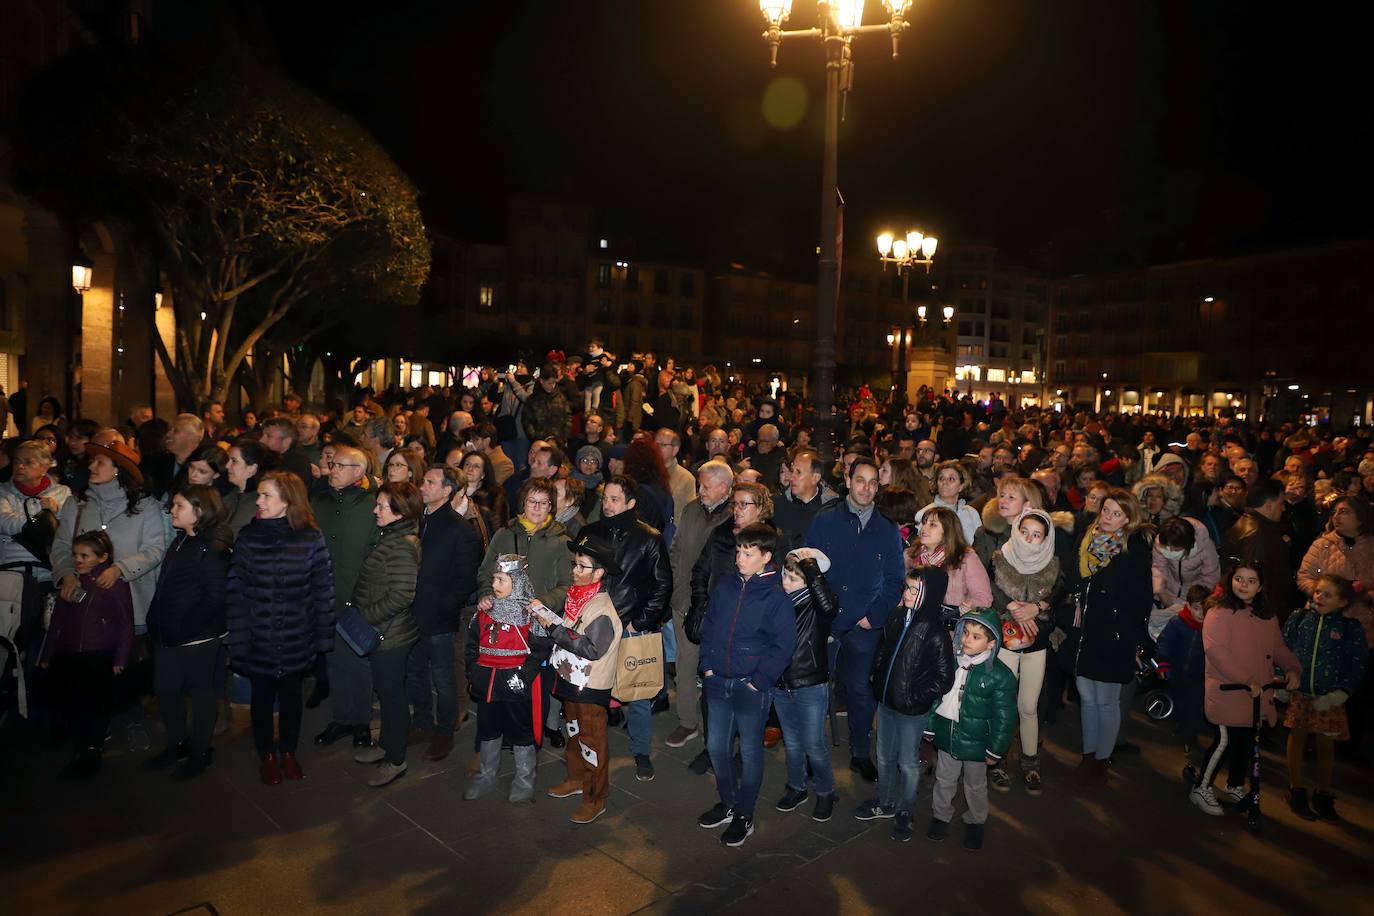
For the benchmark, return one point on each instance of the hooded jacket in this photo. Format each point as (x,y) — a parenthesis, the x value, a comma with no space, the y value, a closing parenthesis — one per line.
(987,705)
(1199,566)
(1355,561)
(1180,645)
(815,609)
(914,664)
(749,630)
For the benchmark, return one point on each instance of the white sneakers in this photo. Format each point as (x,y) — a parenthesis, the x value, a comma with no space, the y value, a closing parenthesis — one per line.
(1205,799)
(1233,795)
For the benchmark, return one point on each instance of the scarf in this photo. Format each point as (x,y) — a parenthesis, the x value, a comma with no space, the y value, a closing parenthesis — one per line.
(931,556)
(949,703)
(1025,558)
(530,527)
(1097,549)
(34,490)
(578,598)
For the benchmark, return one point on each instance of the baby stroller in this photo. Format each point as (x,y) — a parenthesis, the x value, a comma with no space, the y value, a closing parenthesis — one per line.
(1151,683)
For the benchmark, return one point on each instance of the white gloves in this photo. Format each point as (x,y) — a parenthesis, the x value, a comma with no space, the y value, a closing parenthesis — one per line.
(1330,700)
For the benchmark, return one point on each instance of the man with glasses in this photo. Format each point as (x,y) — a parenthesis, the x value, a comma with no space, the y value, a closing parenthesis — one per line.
(680,480)
(866,570)
(450,553)
(766,456)
(343,511)
(545,459)
(925,461)
(640,591)
(695,523)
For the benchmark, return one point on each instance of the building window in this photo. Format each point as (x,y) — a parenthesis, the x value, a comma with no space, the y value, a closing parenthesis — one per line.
(631,311)
(603,276)
(686,315)
(486,296)
(996,375)
(604,315)
(1060,369)
(605,243)
(661,284)
(687,284)
(661,318)
(632,278)
(998,351)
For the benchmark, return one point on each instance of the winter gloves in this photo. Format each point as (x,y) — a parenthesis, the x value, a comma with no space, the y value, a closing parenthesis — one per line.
(1329,700)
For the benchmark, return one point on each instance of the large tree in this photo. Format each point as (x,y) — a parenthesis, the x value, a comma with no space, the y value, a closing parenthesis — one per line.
(256,200)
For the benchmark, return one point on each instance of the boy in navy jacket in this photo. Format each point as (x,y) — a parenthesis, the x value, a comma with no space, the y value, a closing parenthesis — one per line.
(747,638)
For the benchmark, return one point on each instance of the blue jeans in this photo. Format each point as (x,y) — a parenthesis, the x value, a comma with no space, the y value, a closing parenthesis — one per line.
(669,643)
(899,764)
(733,707)
(432,663)
(1099,702)
(852,667)
(801,713)
(639,714)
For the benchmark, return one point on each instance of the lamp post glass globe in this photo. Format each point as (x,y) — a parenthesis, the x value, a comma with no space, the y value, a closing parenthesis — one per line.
(928,247)
(776,11)
(899,249)
(885,243)
(921,312)
(949,312)
(81,277)
(913,240)
(891,338)
(849,14)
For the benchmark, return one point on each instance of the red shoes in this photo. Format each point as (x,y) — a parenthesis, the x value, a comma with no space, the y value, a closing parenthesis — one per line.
(269,771)
(290,769)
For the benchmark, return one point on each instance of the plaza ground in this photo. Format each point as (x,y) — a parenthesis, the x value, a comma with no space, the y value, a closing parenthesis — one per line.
(138,843)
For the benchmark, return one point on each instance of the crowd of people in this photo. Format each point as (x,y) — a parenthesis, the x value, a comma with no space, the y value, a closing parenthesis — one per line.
(958,576)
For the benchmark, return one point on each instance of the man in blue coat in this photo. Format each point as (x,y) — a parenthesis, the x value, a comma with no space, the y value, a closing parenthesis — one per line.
(865,551)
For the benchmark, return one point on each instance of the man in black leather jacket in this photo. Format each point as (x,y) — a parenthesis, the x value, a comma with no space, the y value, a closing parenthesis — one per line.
(802,697)
(640,592)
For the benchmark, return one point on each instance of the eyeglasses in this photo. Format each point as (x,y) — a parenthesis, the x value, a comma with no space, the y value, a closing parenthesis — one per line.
(585,567)
(537,503)
(341,464)
(742,503)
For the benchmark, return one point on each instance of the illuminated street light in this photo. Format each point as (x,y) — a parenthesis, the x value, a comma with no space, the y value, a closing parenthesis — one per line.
(81,274)
(916,249)
(837,23)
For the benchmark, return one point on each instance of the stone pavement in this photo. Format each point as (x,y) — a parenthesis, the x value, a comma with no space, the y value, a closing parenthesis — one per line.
(138,843)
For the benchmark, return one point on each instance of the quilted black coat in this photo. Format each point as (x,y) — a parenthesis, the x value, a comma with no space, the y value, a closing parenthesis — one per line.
(280,599)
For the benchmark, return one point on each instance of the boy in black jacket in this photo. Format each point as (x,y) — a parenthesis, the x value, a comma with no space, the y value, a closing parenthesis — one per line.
(803,692)
(912,669)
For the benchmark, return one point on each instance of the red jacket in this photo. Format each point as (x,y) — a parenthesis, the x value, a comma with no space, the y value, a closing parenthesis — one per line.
(103,622)
(1242,649)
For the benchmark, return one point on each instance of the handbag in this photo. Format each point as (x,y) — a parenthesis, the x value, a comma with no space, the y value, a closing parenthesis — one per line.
(639,667)
(362,637)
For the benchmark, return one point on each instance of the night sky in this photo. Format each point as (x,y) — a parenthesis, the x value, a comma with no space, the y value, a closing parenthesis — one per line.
(1082,128)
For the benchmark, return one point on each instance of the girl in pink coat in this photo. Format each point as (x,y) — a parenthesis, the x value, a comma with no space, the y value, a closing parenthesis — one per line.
(1243,645)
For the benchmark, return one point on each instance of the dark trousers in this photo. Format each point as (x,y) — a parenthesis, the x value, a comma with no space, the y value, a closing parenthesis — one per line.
(187,671)
(1234,746)
(284,693)
(508,719)
(389,683)
(1188,694)
(852,668)
(432,682)
(85,684)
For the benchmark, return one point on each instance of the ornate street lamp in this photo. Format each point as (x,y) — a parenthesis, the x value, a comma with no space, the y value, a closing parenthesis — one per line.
(838,21)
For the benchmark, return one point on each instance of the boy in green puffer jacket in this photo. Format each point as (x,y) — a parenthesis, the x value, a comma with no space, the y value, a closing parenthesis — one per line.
(972,726)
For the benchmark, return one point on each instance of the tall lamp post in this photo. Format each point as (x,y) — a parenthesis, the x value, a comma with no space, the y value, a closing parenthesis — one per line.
(916,249)
(838,22)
